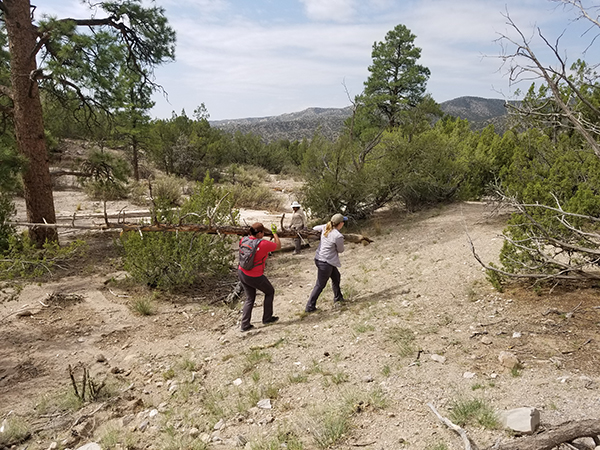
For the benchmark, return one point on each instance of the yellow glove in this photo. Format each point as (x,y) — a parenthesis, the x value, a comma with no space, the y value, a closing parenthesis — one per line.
(273,228)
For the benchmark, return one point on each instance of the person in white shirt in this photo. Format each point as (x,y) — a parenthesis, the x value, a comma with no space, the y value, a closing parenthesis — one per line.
(327,260)
(298,222)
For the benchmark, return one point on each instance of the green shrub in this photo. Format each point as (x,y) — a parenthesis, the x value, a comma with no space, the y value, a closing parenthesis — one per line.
(170,260)
(245,175)
(7,231)
(331,426)
(15,432)
(473,411)
(167,260)
(23,259)
(142,306)
(107,176)
(253,197)
(138,193)
(166,191)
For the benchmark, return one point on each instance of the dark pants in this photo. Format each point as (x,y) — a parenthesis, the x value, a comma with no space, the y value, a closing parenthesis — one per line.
(325,271)
(251,285)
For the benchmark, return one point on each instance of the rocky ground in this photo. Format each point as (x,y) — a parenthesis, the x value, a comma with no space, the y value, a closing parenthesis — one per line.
(421,325)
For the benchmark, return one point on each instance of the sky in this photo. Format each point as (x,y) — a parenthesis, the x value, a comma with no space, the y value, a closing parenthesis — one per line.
(259,58)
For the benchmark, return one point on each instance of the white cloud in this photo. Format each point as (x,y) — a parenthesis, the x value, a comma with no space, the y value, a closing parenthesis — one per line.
(330,10)
(268,57)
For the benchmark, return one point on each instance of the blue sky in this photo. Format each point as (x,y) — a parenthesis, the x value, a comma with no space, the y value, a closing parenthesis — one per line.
(257,58)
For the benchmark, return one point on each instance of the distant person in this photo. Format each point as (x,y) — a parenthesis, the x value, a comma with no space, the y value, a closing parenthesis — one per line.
(297,223)
(254,279)
(327,261)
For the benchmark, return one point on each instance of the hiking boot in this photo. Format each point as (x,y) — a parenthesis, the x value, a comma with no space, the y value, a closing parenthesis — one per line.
(271,319)
(311,310)
(248,328)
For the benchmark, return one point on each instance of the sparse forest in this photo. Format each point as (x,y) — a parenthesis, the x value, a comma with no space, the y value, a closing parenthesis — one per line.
(89,85)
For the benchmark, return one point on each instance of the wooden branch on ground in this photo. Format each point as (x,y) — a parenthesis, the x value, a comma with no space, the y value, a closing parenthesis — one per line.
(461,432)
(564,433)
(61,173)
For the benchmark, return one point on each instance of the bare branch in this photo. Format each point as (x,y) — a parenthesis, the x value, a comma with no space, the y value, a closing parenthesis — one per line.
(462,433)
(526,66)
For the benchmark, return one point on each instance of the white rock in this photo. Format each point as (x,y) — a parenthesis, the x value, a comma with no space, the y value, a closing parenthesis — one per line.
(194,433)
(469,375)
(153,413)
(516,334)
(219,425)
(523,420)
(438,358)
(90,446)
(264,403)
(486,340)
(237,381)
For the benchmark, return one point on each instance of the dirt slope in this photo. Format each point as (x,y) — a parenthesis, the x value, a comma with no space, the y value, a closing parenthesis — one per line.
(415,292)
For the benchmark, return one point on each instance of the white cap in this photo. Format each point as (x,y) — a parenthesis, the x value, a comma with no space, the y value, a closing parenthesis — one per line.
(295,205)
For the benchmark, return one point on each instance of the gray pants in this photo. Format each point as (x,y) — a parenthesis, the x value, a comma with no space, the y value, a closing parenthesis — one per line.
(325,271)
(251,285)
(297,245)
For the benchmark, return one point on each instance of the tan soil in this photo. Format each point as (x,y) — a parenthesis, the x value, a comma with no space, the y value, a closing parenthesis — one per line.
(418,275)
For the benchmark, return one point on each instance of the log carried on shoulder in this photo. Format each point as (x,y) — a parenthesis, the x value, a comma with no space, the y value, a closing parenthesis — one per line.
(240,231)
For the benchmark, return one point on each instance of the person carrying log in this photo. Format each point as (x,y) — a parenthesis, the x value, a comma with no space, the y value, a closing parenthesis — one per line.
(254,251)
(327,261)
(298,222)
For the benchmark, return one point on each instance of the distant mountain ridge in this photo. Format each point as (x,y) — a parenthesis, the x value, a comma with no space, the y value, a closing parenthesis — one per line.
(292,126)
(480,112)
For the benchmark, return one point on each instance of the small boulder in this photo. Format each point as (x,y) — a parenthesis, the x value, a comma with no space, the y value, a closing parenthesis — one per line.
(522,420)
(90,446)
(508,360)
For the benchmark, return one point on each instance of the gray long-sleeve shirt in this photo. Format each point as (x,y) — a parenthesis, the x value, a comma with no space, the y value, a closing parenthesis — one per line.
(330,246)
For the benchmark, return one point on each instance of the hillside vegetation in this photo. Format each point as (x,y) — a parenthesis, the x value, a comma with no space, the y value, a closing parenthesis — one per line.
(480,112)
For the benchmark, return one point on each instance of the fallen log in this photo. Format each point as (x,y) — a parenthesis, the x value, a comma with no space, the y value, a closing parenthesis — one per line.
(240,231)
(564,433)
(306,234)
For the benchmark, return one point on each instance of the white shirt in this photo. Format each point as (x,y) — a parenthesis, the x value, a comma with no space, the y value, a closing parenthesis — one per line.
(330,246)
